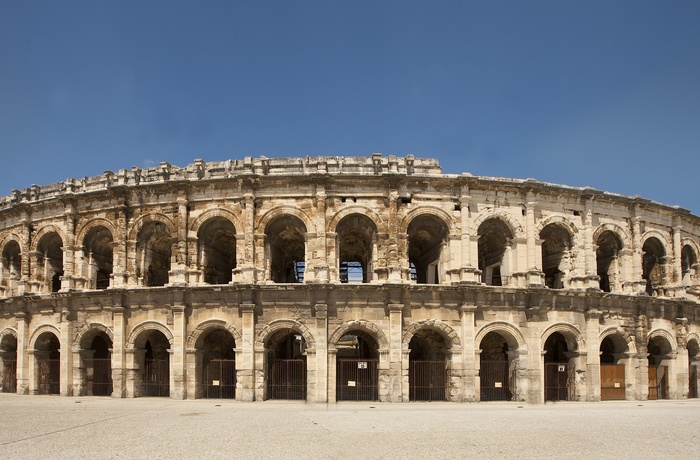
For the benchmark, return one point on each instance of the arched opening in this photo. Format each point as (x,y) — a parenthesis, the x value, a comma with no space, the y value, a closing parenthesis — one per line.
(47,356)
(8,364)
(154,248)
(357,363)
(496,375)
(50,261)
(218,365)
(286,249)
(217,250)
(494,238)
(427,367)
(607,265)
(153,358)
(11,267)
(689,263)
(612,371)
(653,267)
(286,366)
(356,240)
(658,365)
(97,248)
(97,365)
(556,254)
(427,236)
(693,363)
(559,371)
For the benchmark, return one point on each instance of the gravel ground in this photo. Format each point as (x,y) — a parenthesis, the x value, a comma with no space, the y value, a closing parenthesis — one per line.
(55,427)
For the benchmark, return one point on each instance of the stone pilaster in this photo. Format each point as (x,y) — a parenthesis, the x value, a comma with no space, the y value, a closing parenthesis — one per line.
(395,351)
(178,379)
(118,355)
(246,389)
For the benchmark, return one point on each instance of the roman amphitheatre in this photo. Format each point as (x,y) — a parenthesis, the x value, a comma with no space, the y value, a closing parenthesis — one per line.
(326,279)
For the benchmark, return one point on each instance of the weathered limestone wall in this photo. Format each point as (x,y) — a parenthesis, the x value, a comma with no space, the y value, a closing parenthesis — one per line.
(322,247)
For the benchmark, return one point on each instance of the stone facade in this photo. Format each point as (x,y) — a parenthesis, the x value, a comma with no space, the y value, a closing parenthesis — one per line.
(336,278)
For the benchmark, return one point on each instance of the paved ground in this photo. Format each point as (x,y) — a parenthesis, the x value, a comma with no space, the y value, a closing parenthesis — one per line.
(55,427)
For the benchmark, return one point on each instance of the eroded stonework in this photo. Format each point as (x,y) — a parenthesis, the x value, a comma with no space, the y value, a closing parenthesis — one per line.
(345,278)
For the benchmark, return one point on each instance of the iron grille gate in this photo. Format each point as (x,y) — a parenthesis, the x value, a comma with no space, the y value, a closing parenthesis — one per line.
(357,380)
(101,376)
(156,377)
(658,382)
(219,379)
(9,376)
(495,381)
(693,387)
(287,379)
(427,381)
(49,376)
(612,381)
(558,382)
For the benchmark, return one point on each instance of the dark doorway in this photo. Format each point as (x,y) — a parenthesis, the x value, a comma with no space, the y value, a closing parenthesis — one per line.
(494,373)
(156,369)
(658,349)
(612,374)
(427,367)
(8,364)
(48,359)
(286,371)
(219,365)
(98,368)
(558,374)
(357,368)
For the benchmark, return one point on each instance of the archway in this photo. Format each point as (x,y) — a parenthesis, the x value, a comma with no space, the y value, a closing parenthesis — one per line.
(693,363)
(497,379)
(653,264)
(427,236)
(658,366)
(218,364)
(427,366)
(607,260)
(97,249)
(494,238)
(286,365)
(556,253)
(153,358)
(11,269)
(154,250)
(217,250)
(96,358)
(357,362)
(47,356)
(612,369)
(8,364)
(356,241)
(689,263)
(558,369)
(286,248)
(50,261)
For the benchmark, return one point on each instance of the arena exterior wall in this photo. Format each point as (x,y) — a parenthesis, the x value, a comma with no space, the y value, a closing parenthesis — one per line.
(345,278)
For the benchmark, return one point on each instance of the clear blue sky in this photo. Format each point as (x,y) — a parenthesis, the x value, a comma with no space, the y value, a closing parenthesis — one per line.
(600,93)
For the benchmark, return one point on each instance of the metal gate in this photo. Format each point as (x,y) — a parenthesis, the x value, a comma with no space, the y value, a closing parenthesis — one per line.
(427,381)
(286,379)
(693,387)
(156,377)
(558,382)
(219,379)
(9,376)
(658,382)
(49,382)
(357,380)
(101,376)
(612,382)
(495,382)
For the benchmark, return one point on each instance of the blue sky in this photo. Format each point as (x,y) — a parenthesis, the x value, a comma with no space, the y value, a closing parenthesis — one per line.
(598,93)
